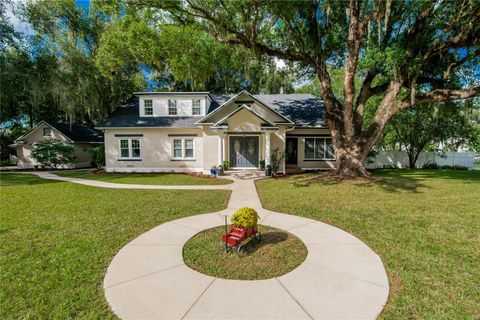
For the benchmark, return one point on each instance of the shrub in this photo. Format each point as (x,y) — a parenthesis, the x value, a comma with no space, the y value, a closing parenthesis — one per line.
(455,167)
(276,159)
(98,156)
(245,218)
(430,165)
(53,153)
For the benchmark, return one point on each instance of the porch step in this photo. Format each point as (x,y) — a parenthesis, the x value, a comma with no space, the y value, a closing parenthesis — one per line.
(291,168)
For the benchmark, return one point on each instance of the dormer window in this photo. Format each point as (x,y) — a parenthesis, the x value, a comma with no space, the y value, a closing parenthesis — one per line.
(196,109)
(47,132)
(148,108)
(172,107)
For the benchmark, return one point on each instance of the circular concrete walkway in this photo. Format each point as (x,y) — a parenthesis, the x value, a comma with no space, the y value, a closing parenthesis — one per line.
(341,278)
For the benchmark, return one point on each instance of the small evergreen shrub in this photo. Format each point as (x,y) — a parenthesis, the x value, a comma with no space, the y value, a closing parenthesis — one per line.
(245,218)
(98,156)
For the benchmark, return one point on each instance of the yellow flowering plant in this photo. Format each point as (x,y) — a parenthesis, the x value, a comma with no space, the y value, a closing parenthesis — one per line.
(245,218)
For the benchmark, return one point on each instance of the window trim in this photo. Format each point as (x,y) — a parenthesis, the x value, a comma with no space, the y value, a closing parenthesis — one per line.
(183,149)
(130,149)
(50,132)
(168,107)
(199,107)
(145,108)
(305,158)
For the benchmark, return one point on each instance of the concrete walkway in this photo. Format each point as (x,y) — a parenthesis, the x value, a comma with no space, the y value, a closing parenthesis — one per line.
(103,184)
(341,278)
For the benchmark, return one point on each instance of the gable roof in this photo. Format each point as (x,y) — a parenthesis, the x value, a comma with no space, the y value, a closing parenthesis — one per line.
(224,120)
(74,133)
(303,110)
(233,98)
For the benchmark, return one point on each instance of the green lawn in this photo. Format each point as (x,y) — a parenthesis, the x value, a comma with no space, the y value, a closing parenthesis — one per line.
(424,224)
(279,252)
(58,238)
(145,178)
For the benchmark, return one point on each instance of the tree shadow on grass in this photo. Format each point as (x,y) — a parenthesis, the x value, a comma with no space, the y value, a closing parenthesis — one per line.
(404,180)
(394,183)
(22,179)
(268,238)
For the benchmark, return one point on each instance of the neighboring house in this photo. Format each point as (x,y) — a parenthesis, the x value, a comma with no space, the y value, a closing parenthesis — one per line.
(193,131)
(82,138)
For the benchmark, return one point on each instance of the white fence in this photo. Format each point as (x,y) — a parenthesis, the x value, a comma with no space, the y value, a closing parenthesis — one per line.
(399,159)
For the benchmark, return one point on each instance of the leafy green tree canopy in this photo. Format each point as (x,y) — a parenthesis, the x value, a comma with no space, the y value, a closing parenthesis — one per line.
(53,153)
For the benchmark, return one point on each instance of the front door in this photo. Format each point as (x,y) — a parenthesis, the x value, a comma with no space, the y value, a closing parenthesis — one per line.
(291,153)
(244,152)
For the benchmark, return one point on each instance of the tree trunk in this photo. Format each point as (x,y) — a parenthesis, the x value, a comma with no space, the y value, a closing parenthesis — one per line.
(350,164)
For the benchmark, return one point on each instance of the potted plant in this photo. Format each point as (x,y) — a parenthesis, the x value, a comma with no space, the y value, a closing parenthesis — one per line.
(244,222)
(213,171)
(262,165)
(244,226)
(226,165)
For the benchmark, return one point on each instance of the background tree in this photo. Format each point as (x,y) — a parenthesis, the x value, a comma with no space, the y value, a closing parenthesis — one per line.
(182,57)
(427,127)
(405,52)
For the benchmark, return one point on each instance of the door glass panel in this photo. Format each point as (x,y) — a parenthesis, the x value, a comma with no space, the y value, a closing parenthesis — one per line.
(244,151)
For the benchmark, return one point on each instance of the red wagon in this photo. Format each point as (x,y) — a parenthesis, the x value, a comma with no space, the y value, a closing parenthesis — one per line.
(236,236)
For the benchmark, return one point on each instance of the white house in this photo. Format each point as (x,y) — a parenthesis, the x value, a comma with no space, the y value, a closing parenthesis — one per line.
(193,131)
(82,138)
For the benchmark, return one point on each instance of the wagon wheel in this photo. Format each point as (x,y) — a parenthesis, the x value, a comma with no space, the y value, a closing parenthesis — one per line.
(240,248)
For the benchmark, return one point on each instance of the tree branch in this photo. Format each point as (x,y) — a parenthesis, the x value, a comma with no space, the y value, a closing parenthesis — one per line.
(440,95)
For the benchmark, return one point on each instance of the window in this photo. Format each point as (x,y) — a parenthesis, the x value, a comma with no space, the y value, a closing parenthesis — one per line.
(172,107)
(130,149)
(47,131)
(183,149)
(196,110)
(318,149)
(177,148)
(148,108)
(188,148)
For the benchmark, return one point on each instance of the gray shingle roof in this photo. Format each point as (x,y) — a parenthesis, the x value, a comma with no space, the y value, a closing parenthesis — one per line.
(127,116)
(78,133)
(303,109)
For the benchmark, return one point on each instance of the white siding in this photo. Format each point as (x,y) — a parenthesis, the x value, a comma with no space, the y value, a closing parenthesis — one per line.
(184,105)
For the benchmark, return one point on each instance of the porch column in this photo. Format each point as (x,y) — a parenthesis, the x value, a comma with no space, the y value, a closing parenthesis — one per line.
(224,146)
(267,148)
(220,148)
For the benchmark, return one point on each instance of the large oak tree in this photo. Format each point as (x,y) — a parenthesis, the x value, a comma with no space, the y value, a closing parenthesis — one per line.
(405,52)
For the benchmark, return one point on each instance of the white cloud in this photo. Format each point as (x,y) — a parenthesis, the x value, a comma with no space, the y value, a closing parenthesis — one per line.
(18,25)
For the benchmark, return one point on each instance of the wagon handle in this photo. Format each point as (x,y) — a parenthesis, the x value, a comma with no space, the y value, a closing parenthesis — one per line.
(226,235)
